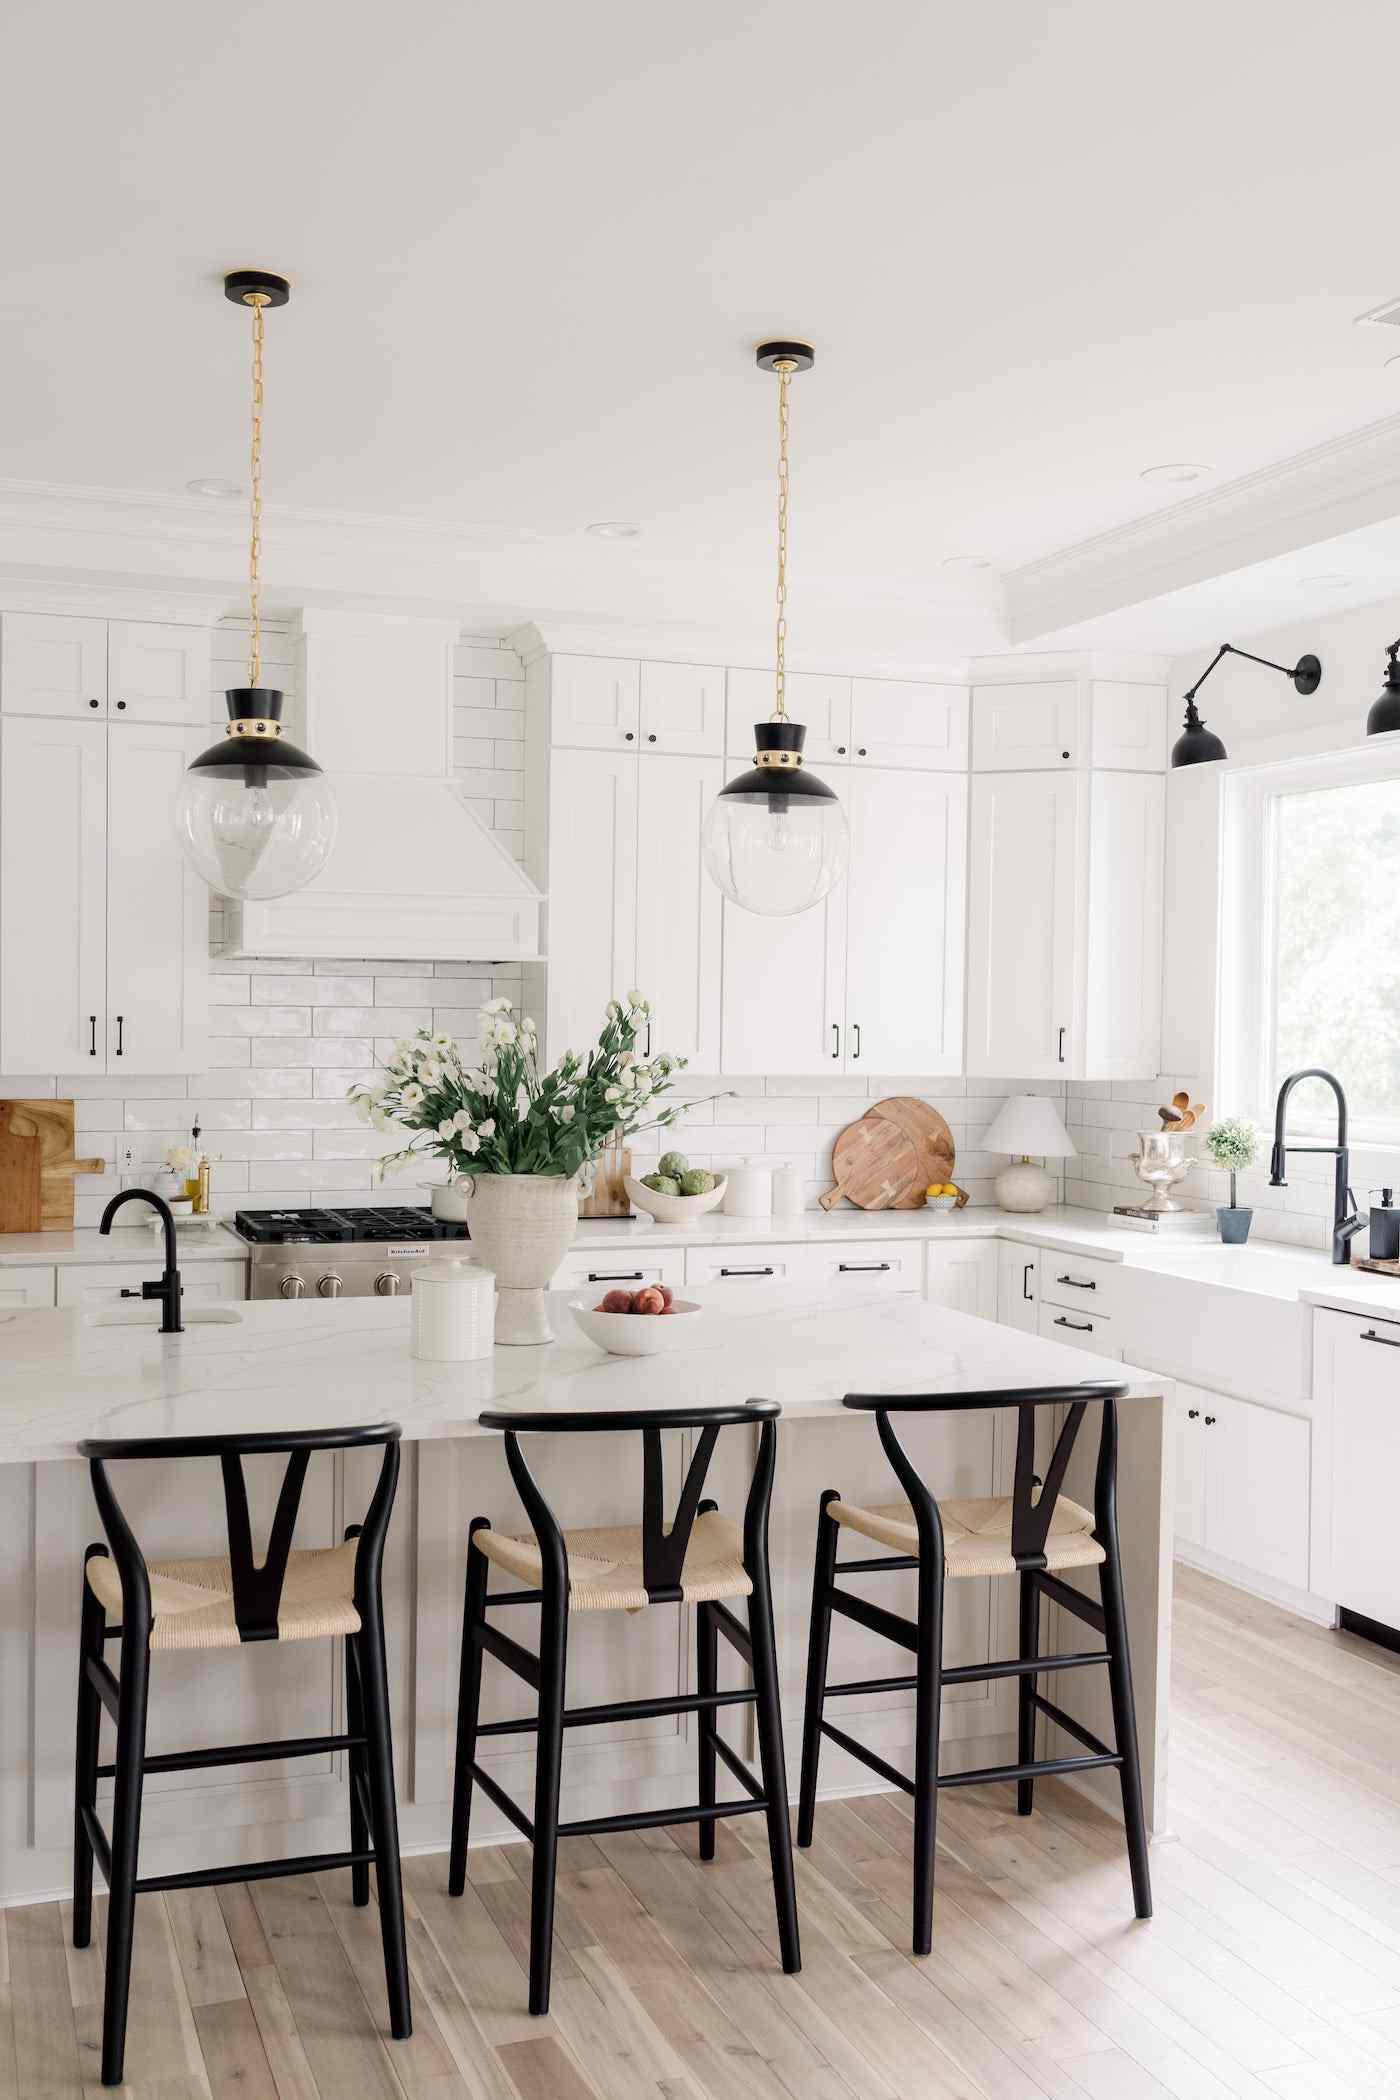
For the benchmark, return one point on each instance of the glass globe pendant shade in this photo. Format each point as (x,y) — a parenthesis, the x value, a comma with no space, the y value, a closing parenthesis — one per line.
(255,815)
(776,840)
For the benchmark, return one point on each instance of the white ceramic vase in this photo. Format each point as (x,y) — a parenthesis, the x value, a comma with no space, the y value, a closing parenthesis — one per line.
(522,1226)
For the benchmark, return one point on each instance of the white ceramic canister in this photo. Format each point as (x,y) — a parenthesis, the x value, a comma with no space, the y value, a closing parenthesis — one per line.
(749,1190)
(454,1311)
(787,1192)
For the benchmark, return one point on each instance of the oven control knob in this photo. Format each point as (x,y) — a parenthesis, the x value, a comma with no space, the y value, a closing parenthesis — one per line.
(328,1287)
(387,1285)
(293,1287)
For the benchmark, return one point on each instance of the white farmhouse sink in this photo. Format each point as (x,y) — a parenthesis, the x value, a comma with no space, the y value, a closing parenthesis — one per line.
(1271,1272)
(148,1315)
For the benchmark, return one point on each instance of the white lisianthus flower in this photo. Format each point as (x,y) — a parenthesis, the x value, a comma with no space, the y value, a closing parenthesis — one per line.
(462,1120)
(637,1003)
(430,1073)
(497,1006)
(612,1093)
(379,1119)
(447,1130)
(565,1113)
(412,1095)
(614,1011)
(480,1082)
(469,1142)
(486,1129)
(629,1078)
(442,1042)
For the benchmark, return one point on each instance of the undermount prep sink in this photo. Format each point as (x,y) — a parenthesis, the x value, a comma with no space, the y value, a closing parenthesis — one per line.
(149,1316)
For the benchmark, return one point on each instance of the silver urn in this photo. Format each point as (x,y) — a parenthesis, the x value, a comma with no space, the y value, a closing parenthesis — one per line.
(1161,1162)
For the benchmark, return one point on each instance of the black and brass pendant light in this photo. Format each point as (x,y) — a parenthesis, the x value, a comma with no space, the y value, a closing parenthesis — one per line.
(1198,745)
(776,838)
(256,815)
(1385,708)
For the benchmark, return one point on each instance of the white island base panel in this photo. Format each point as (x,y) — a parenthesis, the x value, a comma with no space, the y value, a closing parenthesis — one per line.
(63,1377)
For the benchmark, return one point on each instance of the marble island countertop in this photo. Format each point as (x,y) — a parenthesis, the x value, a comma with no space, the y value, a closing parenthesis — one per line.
(67,1377)
(123,1244)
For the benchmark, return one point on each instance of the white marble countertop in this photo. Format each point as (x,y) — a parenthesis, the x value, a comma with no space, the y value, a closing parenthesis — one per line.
(124,1243)
(1070,1231)
(348,1361)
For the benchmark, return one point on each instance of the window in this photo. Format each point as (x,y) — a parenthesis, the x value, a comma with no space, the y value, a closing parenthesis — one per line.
(1310,948)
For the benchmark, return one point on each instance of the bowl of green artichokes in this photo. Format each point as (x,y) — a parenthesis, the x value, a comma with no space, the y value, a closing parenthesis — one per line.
(676,1191)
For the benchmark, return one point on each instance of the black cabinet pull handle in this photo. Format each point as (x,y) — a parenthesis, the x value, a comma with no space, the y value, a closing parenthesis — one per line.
(1062,1046)
(647,1051)
(1193,1414)
(1077,1283)
(861,1268)
(92,1035)
(836,1038)
(1210,1420)
(121,1023)
(1079,1326)
(748,1272)
(1026,1282)
(1386,1341)
(856,1052)
(615,1276)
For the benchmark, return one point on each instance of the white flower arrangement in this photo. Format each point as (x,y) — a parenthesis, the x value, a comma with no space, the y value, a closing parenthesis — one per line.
(503,1116)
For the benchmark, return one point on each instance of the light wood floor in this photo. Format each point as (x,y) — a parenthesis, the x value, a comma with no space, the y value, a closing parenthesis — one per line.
(1271,1969)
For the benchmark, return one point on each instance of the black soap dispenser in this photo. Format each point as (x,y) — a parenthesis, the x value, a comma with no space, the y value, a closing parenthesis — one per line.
(1385,1227)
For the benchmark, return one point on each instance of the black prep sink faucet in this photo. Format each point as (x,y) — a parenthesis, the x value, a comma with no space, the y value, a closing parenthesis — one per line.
(168,1290)
(1345,1220)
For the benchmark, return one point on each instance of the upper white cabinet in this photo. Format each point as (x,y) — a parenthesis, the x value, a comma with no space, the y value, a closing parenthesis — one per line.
(594,701)
(785,989)
(895,722)
(678,908)
(103,927)
(1065,925)
(1128,725)
(70,666)
(821,704)
(682,709)
(1054,723)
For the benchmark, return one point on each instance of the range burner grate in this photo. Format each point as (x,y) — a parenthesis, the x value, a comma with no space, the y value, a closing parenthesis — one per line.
(326,1228)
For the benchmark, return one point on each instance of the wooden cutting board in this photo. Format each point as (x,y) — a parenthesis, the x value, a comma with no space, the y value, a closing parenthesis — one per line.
(877,1166)
(927,1128)
(37,1166)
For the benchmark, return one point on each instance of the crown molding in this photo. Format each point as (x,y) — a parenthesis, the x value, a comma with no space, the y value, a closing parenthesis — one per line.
(1334,488)
(733,648)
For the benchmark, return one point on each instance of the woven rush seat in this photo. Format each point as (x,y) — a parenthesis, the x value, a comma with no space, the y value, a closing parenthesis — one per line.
(605,1566)
(192,1600)
(977,1533)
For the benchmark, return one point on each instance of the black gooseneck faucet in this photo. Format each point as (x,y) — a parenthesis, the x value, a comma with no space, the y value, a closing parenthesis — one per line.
(1345,1220)
(168,1290)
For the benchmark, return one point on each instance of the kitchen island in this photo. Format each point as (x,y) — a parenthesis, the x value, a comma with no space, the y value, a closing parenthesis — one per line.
(267,1365)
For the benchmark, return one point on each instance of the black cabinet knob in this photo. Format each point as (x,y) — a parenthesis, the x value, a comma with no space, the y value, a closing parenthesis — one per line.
(629,736)
(94,703)
(121,707)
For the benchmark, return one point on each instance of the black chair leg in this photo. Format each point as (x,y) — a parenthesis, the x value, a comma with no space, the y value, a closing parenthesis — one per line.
(706,1684)
(768,1713)
(359,1774)
(1025,1713)
(928,1696)
(85,1760)
(1120,1680)
(468,1707)
(126,1836)
(549,1764)
(818,1647)
(384,1817)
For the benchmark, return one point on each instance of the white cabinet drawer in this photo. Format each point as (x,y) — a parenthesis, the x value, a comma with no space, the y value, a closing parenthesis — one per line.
(594,1265)
(763,1263)
(22,1289)
(892,1265)
(1078,1329)
(103,1283)
(1083,1286)
(962,1276)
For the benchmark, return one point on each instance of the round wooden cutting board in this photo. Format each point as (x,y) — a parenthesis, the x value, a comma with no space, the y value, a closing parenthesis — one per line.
(877,1165)
(928,1130)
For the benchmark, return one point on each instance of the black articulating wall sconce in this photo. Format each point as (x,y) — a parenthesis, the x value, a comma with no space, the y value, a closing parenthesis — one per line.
(1385,711)
(1198,745)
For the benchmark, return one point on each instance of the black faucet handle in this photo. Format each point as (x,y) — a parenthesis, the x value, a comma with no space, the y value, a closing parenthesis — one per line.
(1277,1160)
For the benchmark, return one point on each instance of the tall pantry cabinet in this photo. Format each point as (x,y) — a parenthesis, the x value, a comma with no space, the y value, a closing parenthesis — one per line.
(103,926)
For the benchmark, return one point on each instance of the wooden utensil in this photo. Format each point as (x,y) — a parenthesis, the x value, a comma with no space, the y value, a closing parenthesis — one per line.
(608,1197)
(39,1131)
(877,1165)
(937,1152)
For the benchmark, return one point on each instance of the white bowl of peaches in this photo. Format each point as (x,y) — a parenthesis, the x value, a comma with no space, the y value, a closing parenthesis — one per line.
(637,1323)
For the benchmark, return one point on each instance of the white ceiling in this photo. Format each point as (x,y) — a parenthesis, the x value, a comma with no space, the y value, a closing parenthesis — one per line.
(1037,249)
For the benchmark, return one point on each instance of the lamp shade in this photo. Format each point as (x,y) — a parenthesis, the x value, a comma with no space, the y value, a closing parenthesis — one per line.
(1029,1124)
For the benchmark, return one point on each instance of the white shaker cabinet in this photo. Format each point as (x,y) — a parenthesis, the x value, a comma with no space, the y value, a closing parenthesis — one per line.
(157,672)
(905,917)
(594,702)
(71,666)
(103,926)
(1242,1477)
(898,722)
(1018,1286)
(821,704)
(678,909)
(1065,925)
(1357,1384)
(682,708)
(785,990)
(1031,727)
(962,1276)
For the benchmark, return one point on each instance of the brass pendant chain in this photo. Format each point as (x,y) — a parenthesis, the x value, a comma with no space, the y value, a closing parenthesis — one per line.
(785,368)
(257,300)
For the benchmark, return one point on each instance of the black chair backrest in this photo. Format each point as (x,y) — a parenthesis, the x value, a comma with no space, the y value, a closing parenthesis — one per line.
(663,1545)
(1031,1513)
(257,1585)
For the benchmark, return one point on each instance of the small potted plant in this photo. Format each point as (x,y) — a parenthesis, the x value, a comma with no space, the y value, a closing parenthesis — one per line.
(1233,1143)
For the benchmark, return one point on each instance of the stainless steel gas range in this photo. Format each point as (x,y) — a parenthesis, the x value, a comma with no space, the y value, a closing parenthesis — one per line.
(351,1253)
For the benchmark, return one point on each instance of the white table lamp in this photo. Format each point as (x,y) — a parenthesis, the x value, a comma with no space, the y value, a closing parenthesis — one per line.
(1029,1124)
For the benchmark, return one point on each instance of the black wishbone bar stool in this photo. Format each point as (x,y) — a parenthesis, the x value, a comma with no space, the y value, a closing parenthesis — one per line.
(700,1558)
(326,1593)
(1036,1533)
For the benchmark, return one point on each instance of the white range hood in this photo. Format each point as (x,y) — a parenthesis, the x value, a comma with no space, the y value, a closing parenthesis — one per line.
(414,875)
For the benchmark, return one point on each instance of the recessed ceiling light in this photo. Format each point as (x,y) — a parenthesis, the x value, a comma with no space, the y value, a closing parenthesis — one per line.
(615,529)
(1329,583)
(967,561)
(212,486)
(1174,470)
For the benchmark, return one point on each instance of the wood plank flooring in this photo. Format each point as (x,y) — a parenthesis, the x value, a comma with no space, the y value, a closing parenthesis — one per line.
(1270,1972)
